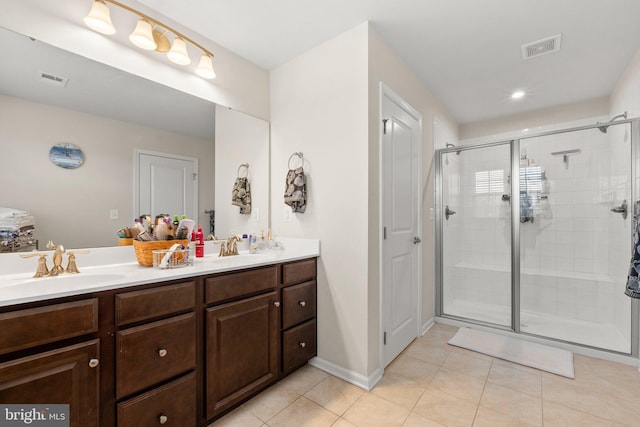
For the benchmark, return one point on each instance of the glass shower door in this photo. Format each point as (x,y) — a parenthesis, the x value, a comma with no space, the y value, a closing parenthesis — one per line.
(575,237)
(475,211)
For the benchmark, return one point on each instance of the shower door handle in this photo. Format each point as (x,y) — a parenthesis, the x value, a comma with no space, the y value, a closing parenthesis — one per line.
(448,212)
(622,209)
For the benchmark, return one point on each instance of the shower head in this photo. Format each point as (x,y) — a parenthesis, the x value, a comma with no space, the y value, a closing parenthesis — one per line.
(451,145)
(606,125)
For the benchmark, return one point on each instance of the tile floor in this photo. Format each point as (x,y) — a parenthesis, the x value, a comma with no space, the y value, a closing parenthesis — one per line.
(434,384)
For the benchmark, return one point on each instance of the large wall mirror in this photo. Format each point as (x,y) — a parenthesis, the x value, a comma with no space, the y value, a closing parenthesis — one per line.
(49,96)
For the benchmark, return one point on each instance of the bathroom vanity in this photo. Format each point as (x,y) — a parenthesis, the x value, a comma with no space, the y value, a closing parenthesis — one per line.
(177,350)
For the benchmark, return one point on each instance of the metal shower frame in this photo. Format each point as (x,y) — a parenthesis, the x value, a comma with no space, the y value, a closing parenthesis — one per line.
(514,145)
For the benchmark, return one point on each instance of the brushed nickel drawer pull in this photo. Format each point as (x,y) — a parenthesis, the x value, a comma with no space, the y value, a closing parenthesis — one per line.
(277,303)
(302,344)
(93,363)
(302,303)
(162,353)
(163,419)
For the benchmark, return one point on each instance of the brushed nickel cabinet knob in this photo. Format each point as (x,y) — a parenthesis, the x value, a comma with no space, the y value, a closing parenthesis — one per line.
(163,419)
(302,344)
(162,352)
(277,303)
(93,363)
(302,303)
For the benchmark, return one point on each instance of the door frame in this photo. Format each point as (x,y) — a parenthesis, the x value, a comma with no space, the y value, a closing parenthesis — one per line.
(136,176)
(385,91)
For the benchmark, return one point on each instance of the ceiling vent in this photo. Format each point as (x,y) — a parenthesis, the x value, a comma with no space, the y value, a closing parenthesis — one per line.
(541,47)
(53,79)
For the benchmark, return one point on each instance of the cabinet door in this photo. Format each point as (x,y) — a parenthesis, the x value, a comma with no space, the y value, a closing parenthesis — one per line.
(241,350)
(63,376)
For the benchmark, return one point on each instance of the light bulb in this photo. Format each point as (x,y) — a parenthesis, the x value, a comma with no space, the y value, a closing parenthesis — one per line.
(178,53)
(99,18)
(205,67)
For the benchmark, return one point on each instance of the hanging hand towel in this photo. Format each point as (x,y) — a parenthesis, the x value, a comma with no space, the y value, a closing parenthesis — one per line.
(241,195)
(295,194)
(633,286)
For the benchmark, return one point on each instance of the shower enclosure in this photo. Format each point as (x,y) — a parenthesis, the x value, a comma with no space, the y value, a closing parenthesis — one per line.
(534,234)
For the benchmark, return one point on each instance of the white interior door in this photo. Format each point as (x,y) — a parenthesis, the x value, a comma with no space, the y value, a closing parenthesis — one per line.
(167,184)
(401,162)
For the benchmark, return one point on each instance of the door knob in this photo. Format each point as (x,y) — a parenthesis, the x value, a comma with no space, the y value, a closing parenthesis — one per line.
(622,209)
(416,240)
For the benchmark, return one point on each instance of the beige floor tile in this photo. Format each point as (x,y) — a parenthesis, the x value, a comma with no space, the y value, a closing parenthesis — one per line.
(398,389)
(583,397)
(518,405)
(468,365)
(560,416)
(342,423)
(271,401)
(240,417)
(445,409)
(303,413)
(334,394)
(427,352)
(620,409)
(489,418)
(415,420)
(374,411)
(419,371)
(516,379)
(462,386)
(302,380)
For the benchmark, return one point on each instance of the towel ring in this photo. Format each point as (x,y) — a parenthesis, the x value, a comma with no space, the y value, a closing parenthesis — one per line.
(296,154)
(246,166)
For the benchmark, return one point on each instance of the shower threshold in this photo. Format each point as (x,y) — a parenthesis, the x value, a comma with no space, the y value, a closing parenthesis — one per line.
(599,335)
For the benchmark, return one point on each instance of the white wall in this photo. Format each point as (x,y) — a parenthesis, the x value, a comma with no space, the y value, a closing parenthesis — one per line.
(72,206)
(319,107)
(325,103)
(241,139)
(239,84)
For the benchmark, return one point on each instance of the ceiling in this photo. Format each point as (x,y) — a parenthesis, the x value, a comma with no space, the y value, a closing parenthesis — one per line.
(467,52)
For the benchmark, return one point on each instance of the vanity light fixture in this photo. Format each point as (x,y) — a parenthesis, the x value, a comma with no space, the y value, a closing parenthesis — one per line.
(147,35)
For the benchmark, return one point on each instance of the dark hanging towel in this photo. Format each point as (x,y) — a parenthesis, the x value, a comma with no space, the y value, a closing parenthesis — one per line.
(633,285)
(295,194)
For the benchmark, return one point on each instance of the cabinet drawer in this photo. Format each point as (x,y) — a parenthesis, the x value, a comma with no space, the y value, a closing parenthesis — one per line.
(31,327)
(173,404)
(300,271)
(234,285)
(151,353)
(298,345)
(148,303)
(298,304)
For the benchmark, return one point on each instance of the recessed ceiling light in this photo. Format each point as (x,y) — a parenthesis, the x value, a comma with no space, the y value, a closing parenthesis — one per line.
(517,94)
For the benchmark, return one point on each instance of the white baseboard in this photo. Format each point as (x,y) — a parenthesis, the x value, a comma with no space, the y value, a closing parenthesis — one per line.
(427,325)
(359,380)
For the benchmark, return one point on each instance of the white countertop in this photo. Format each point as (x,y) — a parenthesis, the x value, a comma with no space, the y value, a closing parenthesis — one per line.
(116,267)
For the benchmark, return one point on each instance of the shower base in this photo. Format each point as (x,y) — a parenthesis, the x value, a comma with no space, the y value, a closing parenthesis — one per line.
(599,335)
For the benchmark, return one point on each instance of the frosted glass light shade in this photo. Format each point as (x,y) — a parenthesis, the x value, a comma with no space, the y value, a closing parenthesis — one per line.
(205,67)
(178,53)
(142,36)
(99,18)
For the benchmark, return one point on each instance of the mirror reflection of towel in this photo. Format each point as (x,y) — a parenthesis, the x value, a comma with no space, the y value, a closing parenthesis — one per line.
(295,194)
(241,195)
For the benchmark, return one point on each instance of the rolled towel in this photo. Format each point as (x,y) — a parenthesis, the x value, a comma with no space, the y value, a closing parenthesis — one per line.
(241,195)
(295,194)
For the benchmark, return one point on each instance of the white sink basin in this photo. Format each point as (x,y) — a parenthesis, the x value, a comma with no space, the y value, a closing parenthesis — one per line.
(68,280)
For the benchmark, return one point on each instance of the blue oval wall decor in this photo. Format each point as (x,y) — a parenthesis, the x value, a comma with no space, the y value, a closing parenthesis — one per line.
(66,155)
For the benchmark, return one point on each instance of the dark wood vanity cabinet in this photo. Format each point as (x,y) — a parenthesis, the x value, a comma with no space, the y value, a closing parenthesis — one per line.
(298,314)
(54,362)
(177,353)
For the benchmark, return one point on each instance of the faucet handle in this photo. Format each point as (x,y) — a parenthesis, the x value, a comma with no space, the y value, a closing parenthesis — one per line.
(72,267)
(51,245)
(41,269)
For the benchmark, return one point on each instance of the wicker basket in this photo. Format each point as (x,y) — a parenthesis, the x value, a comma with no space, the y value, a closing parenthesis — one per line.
(125,241)
(144,250)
